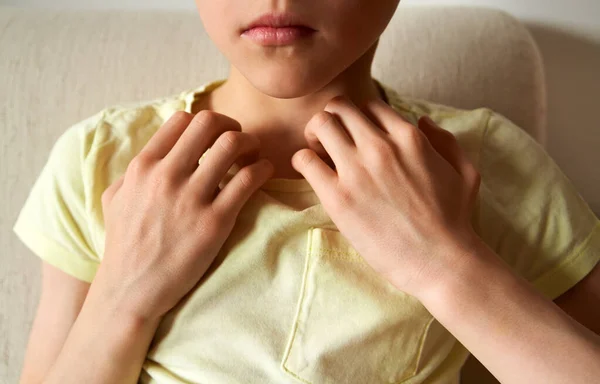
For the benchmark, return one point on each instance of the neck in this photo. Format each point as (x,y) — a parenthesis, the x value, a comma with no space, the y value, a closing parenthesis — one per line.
(279,123)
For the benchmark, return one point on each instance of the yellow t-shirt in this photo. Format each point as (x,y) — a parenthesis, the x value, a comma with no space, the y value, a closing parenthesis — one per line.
(288,300)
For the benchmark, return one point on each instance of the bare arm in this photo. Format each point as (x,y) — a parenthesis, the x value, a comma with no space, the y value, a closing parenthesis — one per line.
(61,299)
(113,342)
(145,270)
(57,330)
(519,335)
(582,302)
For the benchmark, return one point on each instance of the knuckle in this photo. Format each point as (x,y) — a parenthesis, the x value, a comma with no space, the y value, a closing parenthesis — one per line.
(162,178)
(412,137)
(380,152)
(205,118)
(411,133)
(161,184)
(181,116)
(247,177)
(230,141)
(320,119)
(305,157)
(140,164)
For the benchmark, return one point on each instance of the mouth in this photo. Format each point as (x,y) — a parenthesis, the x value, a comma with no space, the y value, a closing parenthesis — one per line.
(274,29)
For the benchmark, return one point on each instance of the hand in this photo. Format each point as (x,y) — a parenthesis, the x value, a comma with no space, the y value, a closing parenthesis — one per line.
(166,218)
(403,196)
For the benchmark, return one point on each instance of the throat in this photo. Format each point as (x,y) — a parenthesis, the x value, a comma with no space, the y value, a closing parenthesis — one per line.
(281,133)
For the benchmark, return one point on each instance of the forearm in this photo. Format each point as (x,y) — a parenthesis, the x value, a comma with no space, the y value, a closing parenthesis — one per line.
(103,346)
(519,335)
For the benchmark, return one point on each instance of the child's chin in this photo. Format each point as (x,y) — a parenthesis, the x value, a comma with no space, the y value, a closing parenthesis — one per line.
(287,87)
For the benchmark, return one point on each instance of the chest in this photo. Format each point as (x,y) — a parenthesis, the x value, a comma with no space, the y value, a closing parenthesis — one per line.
(289,299)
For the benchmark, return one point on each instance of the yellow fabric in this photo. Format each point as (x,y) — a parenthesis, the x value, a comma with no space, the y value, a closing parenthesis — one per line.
(288,300)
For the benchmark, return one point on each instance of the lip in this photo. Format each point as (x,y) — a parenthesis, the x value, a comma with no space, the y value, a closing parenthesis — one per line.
(277,29)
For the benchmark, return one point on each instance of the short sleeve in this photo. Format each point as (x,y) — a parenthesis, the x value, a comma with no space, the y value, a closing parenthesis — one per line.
(53,222)
(531,214)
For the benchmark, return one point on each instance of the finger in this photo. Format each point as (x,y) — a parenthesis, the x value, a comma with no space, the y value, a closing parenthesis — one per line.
(387,118)
(230,147)
(446,145)
(200,134)
(328,138)
(167,135)
(358,126)
(109,193)
(241,187)
(318,174)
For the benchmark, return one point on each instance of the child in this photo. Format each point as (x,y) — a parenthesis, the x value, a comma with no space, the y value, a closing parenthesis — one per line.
(333,233)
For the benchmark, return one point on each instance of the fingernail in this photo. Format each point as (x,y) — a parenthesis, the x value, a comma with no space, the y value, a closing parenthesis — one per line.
(267,164)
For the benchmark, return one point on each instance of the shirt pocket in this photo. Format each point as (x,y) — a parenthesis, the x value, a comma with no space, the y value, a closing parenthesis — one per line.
(351,325)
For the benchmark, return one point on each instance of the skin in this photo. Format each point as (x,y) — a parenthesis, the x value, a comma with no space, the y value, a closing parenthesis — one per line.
(313,111)
(274,92)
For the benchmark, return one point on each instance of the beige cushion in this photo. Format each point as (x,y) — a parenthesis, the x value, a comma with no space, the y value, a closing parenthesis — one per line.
(58,67)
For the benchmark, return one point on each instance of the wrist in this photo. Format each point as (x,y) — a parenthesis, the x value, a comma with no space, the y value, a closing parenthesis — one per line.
(494,312)
(104,304)
(473,263)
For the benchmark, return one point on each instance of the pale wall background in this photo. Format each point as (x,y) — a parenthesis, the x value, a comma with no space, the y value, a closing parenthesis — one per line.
(568,32)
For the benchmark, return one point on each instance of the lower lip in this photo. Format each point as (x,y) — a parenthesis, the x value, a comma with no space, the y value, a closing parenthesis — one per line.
(277,36)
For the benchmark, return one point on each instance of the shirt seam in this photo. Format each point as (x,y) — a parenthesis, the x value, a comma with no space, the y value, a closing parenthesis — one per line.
(55,254)
(483,138)
(573,257)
